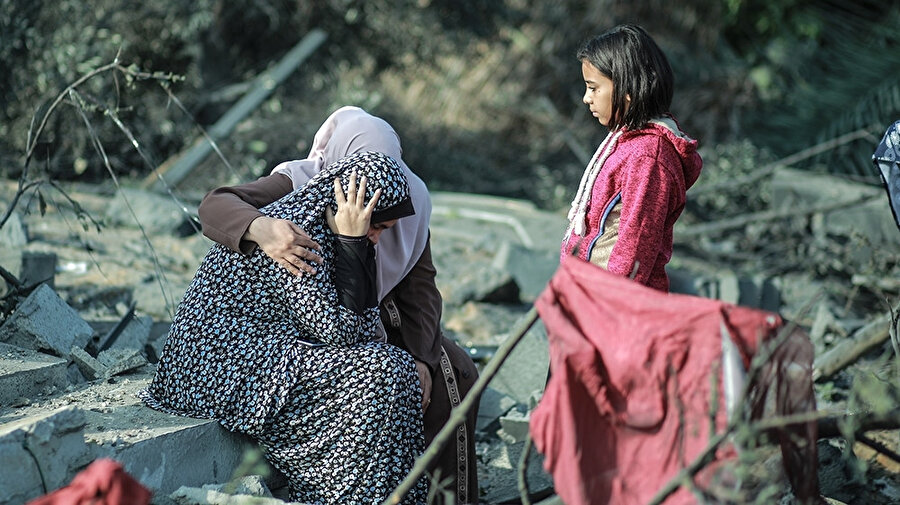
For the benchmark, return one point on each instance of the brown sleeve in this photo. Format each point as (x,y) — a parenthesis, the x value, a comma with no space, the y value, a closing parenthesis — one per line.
(411,312)
(226,212)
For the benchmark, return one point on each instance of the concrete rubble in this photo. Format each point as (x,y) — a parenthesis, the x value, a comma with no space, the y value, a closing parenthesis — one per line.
(76,348)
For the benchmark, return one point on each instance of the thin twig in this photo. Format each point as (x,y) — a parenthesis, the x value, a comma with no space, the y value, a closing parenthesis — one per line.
(523,470)
(160,276)
(34,133)
(59,98)
(458,414)
(878,446)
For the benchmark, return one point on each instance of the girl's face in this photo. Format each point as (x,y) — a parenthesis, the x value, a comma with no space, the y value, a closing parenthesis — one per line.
(598,93)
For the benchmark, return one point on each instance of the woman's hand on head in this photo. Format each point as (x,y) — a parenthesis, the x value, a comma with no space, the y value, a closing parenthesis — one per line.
(354,215)
(286,243)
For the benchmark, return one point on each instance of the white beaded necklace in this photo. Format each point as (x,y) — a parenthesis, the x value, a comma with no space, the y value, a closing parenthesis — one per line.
(578,212)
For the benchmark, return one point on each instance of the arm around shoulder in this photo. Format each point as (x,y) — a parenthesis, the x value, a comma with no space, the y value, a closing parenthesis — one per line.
(227,212)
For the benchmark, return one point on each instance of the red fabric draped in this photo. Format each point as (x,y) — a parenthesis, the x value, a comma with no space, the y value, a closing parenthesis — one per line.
(630,393)
(103,482)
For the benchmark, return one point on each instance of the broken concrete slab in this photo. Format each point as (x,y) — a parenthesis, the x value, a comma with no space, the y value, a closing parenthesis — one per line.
(500,477)
(118,361)
(162,451)
(159,449)
(530,268)
(872,219)
(230,493)
(203,496)
(135,334)
(25,373)
(90,367)
(157,213)
(514,426)
(525,369)
(491,406)
(40,453)
(253,485)
(44,322)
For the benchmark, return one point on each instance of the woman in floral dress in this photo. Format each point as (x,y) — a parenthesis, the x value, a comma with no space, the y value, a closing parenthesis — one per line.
(295,361)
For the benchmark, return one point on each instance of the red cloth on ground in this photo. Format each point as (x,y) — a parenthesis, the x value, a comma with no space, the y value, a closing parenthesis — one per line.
(103,482)
(628,401)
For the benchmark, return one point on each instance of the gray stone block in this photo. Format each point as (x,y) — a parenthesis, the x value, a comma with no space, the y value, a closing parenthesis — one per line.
(156,213)
(249,490)
(44,322)
(501,476)
(25,373)
(162,451)
(89,366)
(176,452)
(204,496)
(41,449)
(119,361)
(253,485)
(491,406)
(514,427)
(525,370)
(135,334)
(38,267)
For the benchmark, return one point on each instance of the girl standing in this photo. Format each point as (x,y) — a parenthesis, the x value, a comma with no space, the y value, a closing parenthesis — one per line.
(634,187)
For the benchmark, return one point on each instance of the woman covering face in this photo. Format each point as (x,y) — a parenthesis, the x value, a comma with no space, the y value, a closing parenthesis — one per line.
(410,302)
(294,361)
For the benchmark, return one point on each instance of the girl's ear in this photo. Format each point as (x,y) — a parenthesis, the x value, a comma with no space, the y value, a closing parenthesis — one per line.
(627,97)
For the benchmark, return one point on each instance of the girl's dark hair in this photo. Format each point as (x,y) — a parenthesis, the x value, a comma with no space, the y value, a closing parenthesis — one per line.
(638,68)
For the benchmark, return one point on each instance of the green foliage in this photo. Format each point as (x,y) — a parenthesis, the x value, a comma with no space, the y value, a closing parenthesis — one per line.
(486,95)
(45,46)
(850,81)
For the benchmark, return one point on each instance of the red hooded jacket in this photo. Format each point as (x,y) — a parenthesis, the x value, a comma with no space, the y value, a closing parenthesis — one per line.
(645,180)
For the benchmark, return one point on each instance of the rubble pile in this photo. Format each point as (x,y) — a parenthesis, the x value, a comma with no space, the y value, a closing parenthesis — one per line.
(88,292)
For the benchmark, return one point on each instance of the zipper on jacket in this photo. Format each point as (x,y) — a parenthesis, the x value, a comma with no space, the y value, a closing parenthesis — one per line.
(609,207)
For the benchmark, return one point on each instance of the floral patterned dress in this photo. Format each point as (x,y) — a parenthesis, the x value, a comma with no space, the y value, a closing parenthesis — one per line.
(277,357)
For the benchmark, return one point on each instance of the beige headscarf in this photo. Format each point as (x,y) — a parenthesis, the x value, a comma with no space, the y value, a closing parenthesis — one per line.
(350,130)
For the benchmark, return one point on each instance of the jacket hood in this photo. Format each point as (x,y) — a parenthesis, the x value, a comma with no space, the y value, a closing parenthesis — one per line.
(685,146)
